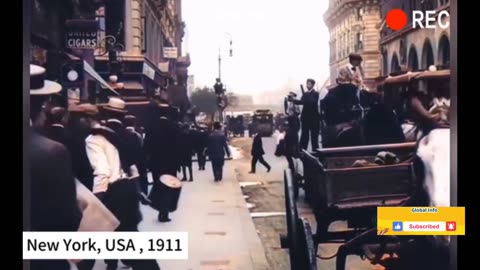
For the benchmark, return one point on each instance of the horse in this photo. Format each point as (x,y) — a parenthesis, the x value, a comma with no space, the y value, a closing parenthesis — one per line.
(355,118)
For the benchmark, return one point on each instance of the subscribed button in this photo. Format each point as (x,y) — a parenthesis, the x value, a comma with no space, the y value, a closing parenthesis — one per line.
(425,226)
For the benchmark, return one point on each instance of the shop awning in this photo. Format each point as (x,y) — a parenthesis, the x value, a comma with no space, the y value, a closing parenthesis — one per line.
(90,71)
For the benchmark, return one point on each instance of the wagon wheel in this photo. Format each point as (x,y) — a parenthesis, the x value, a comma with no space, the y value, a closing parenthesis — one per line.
(301,246)
(296,186)
(306,249)
(292,217)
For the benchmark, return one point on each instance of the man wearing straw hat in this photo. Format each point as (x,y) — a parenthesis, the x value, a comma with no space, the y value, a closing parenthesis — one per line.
(53,198)
(81,122)
(114,176)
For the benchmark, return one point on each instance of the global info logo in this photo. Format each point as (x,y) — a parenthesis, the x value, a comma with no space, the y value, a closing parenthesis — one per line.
(397,19)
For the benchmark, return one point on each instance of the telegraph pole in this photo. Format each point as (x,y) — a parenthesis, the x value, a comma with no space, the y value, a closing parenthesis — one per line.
(219,64)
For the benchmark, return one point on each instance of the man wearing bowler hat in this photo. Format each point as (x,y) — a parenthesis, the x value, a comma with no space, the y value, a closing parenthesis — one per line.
(53,199)
(310,117)
(161,148)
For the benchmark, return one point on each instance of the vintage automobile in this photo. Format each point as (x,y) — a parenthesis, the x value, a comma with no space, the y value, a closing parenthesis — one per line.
(262,123)
(236,126)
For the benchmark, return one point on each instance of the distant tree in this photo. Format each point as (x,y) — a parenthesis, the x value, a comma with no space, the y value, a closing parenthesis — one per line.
(205,100)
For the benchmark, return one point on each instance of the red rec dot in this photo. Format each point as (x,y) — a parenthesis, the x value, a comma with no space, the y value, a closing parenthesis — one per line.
(396,19)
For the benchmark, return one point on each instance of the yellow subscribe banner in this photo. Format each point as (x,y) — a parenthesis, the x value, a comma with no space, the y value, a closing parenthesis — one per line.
(421,220)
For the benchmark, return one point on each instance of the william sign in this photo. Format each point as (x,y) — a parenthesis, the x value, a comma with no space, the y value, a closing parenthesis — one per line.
(81,34)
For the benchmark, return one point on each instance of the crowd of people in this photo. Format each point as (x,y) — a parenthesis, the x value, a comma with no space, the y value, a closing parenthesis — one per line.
(105,149)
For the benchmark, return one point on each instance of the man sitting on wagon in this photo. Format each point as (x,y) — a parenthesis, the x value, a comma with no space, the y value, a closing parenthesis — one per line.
(430,103)
(354,66)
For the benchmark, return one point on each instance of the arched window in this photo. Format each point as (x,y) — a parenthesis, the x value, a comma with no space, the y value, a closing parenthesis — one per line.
(385,62)
(413,58)
(395,64)
(444,51)
(427,54)
(403,52)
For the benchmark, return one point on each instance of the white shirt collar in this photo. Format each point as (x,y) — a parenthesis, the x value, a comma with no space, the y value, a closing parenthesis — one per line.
(114,121)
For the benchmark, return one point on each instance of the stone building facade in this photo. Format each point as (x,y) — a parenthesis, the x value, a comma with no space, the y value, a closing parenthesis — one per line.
(414,49)
(142,29)
(354,27)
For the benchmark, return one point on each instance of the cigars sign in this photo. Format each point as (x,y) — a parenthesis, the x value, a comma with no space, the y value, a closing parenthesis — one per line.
(81,34)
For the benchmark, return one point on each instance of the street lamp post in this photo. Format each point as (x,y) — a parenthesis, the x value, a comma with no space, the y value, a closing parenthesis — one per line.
(221,94)
(219,64)
(220,55)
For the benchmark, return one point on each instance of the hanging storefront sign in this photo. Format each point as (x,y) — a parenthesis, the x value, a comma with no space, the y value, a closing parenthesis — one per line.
(148,71)
(81,34)
(170,52)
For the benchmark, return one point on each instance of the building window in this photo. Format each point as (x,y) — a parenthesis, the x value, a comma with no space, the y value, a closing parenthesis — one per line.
(349,41)
(385,62)
(444,51)
(359,42)
(359,13)
(427,5)
(115,21)
(403,52)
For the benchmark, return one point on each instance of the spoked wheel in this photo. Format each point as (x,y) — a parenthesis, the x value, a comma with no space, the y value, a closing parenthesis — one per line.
(299,240)
(306,250)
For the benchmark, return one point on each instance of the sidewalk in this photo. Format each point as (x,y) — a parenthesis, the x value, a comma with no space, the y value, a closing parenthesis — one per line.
(222,235)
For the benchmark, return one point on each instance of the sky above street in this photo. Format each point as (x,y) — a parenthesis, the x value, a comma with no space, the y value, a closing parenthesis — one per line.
(276,43)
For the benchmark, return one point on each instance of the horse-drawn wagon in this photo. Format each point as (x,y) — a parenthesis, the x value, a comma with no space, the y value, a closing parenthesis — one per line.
(349,183)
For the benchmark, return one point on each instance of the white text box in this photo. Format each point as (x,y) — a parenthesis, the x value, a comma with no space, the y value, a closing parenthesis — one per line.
(105,245)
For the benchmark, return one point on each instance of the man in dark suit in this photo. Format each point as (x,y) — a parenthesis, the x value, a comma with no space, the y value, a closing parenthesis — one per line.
(257,154)
(310,117)
(53,199)
(216,148)
(186,151)
(55,127)
(138,155)
(161,148)
(200,143)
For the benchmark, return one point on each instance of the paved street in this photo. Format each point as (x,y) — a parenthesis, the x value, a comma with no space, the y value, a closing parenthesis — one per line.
(269,197)
(235,224)
(221,233)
